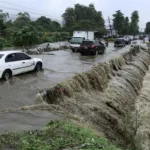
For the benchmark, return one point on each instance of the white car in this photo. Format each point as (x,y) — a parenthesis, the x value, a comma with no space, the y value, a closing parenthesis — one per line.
(127,40)
(134,43)
(17,62)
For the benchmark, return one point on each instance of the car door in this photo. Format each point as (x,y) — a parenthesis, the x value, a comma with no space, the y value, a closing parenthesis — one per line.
(98,44)
(12,63)
(27,63)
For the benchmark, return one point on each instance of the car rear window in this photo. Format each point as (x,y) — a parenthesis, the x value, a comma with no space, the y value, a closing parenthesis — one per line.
(1,55)
(118,40)
(87,42)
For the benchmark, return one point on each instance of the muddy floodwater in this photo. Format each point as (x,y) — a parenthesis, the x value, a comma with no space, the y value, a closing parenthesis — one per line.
(22,89)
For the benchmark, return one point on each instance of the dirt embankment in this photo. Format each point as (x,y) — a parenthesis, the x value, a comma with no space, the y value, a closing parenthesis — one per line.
(142,116)
(105,96)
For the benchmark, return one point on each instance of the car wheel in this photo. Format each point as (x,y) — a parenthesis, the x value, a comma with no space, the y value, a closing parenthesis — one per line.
(73,50)
(103,52)
(82,53)
(7,75)
(38,67)
(94,53)
(99,52)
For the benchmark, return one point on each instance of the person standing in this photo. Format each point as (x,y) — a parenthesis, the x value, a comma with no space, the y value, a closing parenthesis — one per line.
(106,42)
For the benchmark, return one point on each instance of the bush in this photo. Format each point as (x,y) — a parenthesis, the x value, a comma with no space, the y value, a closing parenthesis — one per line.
(111,39)
(27,36)
(48,39)
(56,136)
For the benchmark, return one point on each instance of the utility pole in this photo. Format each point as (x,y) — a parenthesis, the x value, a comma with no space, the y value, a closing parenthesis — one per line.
(110,26)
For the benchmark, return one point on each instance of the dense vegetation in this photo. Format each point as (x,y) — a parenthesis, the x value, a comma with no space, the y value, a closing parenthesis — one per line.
(56,136)
(147,29)
(84,18)
(23,31)
(122,24)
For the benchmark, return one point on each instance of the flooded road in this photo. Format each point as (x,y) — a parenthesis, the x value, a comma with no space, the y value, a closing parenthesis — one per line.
(22,89)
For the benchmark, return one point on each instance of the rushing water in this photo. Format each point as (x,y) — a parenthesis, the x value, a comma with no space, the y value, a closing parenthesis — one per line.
(93,98)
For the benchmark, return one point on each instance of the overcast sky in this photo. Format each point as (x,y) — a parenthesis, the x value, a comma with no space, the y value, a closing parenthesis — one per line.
(55,8)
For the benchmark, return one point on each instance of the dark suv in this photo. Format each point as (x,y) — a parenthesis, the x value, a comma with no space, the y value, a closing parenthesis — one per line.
(119,42)
(92,47)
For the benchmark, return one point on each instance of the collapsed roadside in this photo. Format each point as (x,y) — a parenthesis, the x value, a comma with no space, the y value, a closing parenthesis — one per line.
(103,98)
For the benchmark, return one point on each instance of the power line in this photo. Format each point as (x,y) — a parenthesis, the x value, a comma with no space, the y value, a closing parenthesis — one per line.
(25,11)
(22,6)
(14,16)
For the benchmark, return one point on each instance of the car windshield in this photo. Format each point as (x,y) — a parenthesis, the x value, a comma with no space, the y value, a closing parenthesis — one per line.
(1,55)
(87,42)
(76,40)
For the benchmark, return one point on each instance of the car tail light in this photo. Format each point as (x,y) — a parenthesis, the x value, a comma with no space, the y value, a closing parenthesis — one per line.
(92,46)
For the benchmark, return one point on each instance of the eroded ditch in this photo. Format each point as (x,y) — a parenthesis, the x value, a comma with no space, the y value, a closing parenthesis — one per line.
(105,97)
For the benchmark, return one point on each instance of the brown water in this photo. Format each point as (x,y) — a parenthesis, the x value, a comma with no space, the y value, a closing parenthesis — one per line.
(93,99)
(21,90)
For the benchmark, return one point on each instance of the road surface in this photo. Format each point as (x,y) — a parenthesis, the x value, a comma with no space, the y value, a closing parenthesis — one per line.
(21,90)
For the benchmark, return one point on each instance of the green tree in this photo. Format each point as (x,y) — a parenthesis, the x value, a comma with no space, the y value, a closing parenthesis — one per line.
(134,27)
(83,18)
(118,22)
(46,24)
(69,17)
(23,19)
(147,29)
(3,16)
(23,16)
(56,26)
(2,27)
(27,36)
(126,26)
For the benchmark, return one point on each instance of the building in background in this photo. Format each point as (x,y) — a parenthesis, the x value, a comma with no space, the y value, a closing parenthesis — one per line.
(111,32)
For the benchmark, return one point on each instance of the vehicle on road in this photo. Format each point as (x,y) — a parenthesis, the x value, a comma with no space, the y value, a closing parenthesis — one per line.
(119,42)
(16,62)
(92,47)
(127,40)
(136,38)
(131,37)
(79,37)
(134,43)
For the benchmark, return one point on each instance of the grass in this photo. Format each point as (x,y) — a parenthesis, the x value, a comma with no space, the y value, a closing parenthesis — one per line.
(56,136)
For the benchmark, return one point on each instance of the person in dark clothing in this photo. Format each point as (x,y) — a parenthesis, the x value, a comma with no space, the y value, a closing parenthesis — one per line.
(106,42)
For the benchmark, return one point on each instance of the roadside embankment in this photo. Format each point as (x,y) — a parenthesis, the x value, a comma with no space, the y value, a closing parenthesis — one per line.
(105,96)
(141,116)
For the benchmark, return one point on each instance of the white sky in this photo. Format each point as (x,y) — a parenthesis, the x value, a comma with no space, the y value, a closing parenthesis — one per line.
(55,8)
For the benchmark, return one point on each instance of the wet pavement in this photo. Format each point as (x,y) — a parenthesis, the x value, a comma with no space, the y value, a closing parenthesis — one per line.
(22,89)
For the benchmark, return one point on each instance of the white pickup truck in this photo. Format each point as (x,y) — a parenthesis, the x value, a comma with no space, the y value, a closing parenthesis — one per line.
(79,37)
